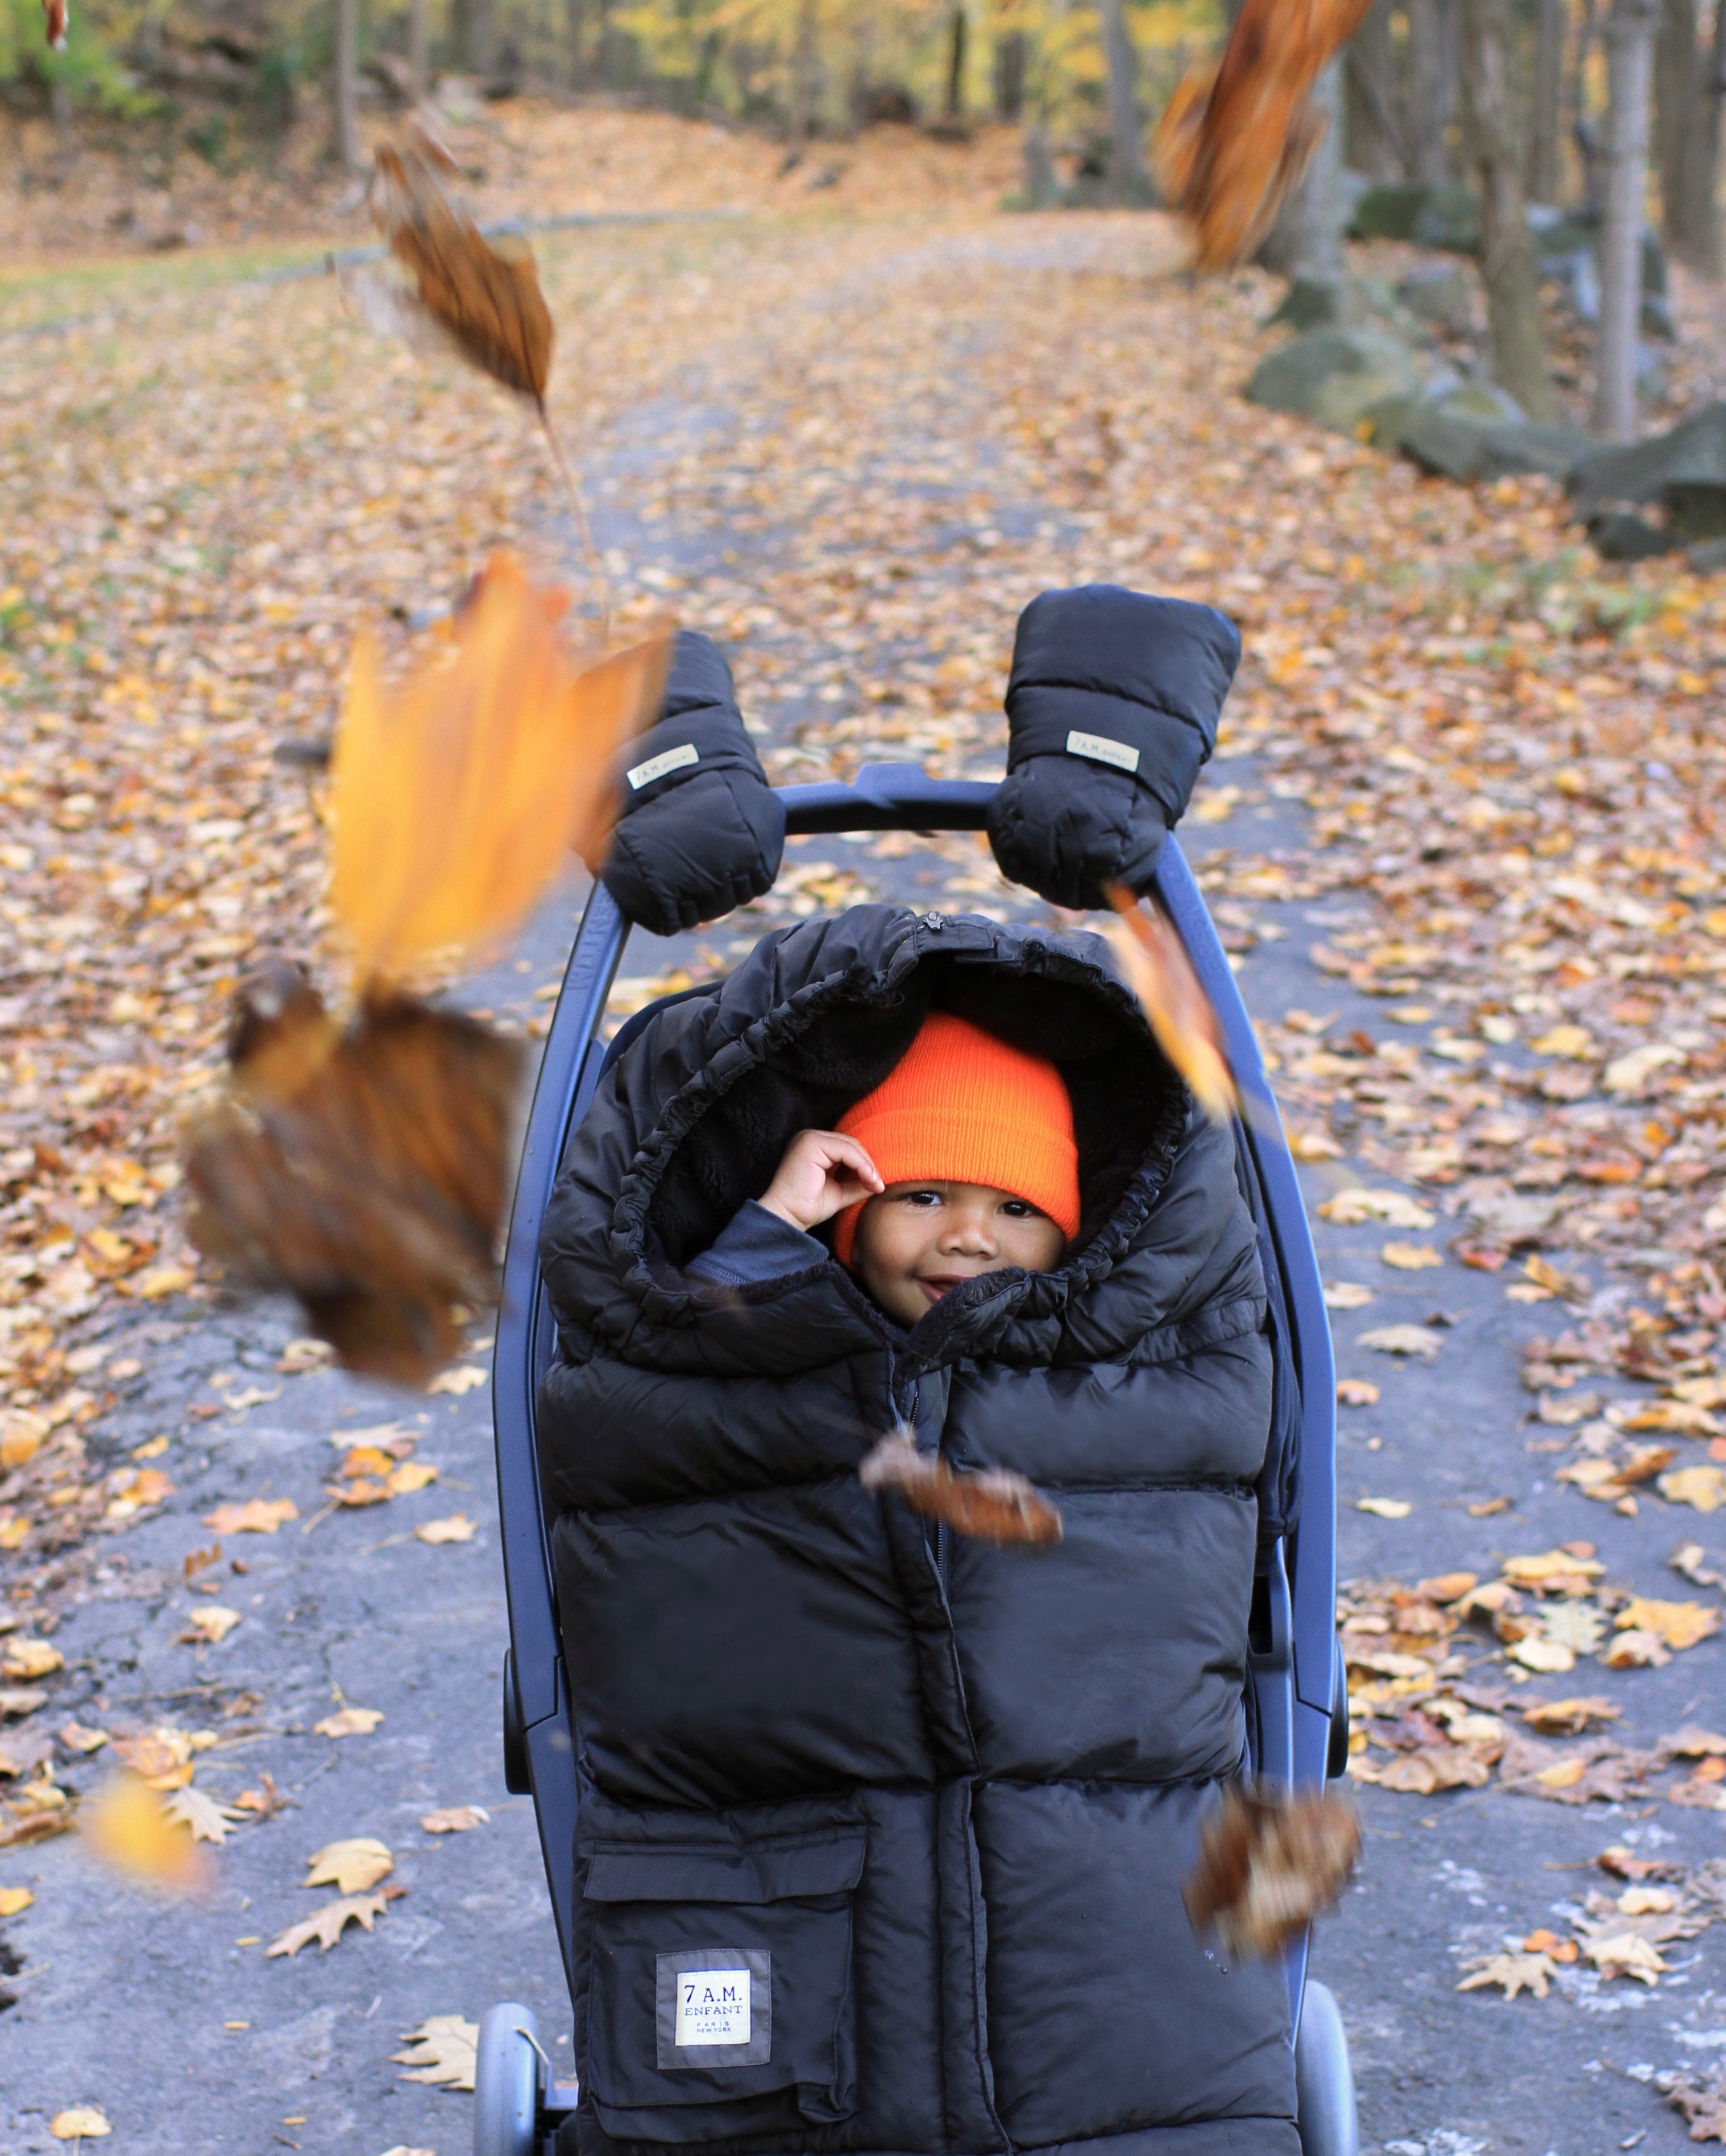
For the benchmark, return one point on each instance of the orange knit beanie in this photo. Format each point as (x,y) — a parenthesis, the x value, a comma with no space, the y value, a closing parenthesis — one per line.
(961,1106)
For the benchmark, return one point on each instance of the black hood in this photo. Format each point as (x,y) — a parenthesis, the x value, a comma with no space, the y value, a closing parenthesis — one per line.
(714,1090)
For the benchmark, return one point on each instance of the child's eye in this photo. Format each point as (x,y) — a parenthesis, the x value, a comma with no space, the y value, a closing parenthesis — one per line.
(1017,1209)
(922,1198)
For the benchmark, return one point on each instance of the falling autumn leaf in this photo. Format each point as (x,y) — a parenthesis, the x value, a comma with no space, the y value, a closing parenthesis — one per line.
(1235,139)
(441,2051)
(350,1866)
(128,1825)
(257,1516)
(326,1924)
(1268,1863)
(364,1169)
(992,1505)
(458,797)
(1157,968)
(349,1722)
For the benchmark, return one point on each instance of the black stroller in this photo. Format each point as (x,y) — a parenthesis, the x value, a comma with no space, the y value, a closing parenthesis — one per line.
(1297,1702)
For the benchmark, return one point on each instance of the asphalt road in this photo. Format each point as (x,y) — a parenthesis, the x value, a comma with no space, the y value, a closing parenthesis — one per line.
(165,2011)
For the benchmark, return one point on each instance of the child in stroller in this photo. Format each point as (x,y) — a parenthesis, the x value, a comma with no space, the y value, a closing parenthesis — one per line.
(879,1832)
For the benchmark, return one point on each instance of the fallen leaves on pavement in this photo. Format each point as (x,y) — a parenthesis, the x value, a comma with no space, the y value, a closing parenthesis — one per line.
(1419,1689)
(326,1924)
(257,1516)
(456,1818)
(441,2051)
(351,1865)
(15,1900)
(1610,1935)
(350,1721)
(207,1820)
(82,2123)
(457,1529)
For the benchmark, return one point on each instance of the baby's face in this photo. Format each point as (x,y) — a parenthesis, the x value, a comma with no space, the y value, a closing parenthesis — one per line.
(917,1241)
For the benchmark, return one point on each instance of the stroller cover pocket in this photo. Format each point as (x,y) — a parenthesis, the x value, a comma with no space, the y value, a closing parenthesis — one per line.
(719,1994)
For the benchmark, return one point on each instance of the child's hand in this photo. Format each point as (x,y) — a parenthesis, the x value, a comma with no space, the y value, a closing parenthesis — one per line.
(823,1172)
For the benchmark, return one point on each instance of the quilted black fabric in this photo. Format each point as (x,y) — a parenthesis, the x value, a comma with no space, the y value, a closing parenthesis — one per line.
(701,831)
(923,1804)
(1112,706)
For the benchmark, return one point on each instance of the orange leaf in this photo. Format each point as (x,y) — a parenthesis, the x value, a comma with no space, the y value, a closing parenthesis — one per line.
(992,1505)
(1233,141)
(1161,975)
(456,797)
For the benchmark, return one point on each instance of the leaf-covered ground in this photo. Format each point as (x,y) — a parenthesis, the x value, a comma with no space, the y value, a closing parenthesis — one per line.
(1464,818)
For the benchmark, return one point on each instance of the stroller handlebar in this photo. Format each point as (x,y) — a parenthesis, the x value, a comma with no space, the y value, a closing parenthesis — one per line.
(887,797)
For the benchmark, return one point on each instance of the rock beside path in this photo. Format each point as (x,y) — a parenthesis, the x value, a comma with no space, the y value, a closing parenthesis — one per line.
(1335,376)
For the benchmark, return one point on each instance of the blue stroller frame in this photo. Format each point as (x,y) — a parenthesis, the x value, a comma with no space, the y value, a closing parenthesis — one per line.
(1296,1699)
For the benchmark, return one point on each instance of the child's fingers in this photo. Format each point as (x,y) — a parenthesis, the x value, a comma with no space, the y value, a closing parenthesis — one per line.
(844,1154)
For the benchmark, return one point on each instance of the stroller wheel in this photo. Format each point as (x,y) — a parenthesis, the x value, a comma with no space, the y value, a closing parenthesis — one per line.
(1324,2081)
(506,2079)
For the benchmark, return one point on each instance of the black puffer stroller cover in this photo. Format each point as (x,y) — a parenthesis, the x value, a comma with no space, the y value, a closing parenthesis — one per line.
(881,1832)
(1112,706)
(701,829)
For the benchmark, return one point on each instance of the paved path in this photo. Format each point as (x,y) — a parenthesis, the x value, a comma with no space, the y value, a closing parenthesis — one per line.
(168,2014)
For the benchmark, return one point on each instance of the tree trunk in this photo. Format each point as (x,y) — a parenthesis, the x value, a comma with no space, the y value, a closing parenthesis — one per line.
(1546,97)
(1011,54)
(1126,164)
(1431,87)
(419,56)
(1678,91)
(1372,139)
(1712,253)
(805,83)
(1509,266)
(1630,68)
(348,85)
(1306,243)
(956,62)
(575,25)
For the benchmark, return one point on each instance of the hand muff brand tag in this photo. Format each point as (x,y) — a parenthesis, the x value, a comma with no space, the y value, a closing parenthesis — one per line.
(715,2008)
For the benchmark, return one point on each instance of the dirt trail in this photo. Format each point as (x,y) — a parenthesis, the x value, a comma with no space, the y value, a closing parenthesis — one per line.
(851,448)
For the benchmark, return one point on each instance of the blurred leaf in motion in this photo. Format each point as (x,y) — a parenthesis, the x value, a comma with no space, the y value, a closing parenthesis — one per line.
(1235,138)
(992,1506)
(58,18)
(486,299)
(362,1168)
(1161,975)
(482,298)
(1267,1864)
(130,1827)
(456,799)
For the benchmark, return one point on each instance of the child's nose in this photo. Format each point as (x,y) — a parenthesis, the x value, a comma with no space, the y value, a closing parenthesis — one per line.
(972,1228)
